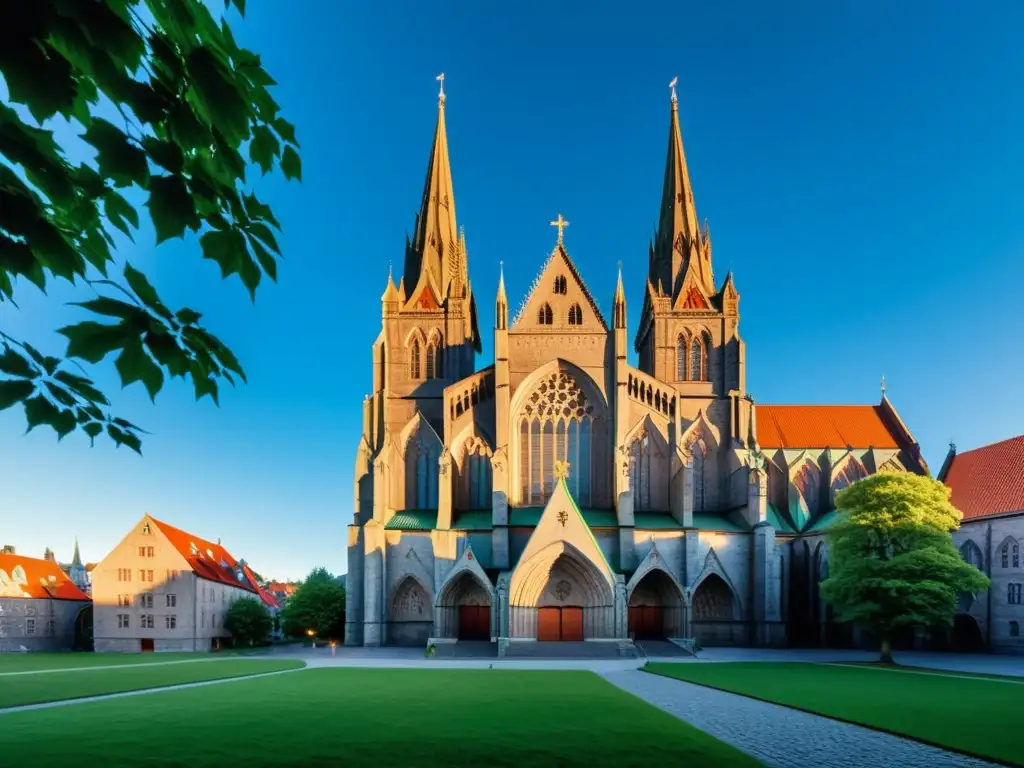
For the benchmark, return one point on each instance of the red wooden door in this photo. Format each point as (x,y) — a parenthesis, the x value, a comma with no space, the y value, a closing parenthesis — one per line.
(572,624)
(635,620)
(549,624)
(474,622)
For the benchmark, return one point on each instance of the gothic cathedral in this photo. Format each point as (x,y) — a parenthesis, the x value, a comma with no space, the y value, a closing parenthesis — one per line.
(564,494)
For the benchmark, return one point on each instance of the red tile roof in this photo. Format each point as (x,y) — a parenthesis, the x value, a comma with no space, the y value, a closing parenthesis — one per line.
(988,480)
(213,562)
(28,577)
(209,561)
(285,589)
(823,426)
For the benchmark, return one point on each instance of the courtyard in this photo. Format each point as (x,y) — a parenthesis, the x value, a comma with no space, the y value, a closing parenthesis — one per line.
(389,707)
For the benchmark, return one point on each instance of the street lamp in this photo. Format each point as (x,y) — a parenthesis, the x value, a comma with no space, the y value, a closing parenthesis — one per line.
(312,636)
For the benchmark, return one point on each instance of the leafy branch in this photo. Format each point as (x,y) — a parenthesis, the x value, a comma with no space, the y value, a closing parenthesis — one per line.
(192,100)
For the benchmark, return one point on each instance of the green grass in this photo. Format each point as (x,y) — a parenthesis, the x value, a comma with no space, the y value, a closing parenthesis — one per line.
(16,690)
(372,717)
(975,715)
(30,662)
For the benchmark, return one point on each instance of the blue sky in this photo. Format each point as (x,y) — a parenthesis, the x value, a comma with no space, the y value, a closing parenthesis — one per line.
(858,163)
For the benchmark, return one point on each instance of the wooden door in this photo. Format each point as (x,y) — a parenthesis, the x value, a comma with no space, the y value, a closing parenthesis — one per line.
(549,624)
(646,621)
(147,645)
(572,624)
(474,622)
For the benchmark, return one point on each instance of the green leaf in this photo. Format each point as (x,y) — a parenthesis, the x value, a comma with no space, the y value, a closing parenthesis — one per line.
(12,392)
(60,394)
(54,252)
(111,308)
(135,365)
(291,165)
(266,259)
(36,75)
(258,210)
(262,231)
(227,248)
(142,288)
(217,94)
(264,148)
(171,207)
(120,212)
(82,387)
(92,429)
(285,130)
(39,410)
(166,154)
(93,341)
(14,364)
(123,437)
(188,316)
(117,157)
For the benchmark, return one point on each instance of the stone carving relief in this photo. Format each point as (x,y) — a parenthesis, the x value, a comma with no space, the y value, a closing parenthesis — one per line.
(562,590)
(558,396)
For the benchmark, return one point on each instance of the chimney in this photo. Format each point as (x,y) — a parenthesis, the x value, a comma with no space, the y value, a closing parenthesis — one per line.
(8,549)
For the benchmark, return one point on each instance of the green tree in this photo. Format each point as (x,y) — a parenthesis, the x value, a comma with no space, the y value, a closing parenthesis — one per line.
(892,562)
(169,101)
(319,605)
(249,621)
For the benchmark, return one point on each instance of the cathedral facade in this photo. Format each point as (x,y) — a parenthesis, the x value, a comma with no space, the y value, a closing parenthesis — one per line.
(561,493)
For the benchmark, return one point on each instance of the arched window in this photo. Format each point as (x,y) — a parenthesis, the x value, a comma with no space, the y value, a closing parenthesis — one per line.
(971,553)
(1010,553)
(808,484)
(544,316)
(414,359)
(558,423)
(560,285)
(1014,629)
(435,360)
(696,360)
(477,479)
(575,315)
(699,471)
(681,347)
(421,469)
(640,472)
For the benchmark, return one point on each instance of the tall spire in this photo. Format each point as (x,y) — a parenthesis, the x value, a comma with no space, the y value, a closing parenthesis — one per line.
(501,303)
(76,560)
(678,246)
(435,245)
(619,303)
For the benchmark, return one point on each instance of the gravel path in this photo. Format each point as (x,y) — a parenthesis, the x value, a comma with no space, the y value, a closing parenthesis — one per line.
(780,736)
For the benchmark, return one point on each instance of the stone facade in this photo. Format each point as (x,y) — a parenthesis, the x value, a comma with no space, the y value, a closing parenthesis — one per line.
(40,608)
(985,486)
(149,595)
(562,490)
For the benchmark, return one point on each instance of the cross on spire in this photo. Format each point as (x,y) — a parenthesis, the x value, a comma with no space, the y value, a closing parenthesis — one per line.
(672,85)
(440,79)
(883,386)
(561,224)
(561,469)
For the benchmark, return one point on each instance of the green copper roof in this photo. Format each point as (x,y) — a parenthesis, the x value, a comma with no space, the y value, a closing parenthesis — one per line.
(706,522)
(473,520)
(823,522)
(779,522)
(656,521)
(528,517)
(413,520)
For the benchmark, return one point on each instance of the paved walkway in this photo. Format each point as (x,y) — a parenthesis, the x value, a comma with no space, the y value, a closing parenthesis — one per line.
(779,736)
(120,666)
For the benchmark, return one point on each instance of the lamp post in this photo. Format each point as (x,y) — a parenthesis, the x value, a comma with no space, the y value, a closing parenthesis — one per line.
(312,636)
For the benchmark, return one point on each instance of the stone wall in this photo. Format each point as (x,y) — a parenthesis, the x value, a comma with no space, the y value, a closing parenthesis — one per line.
(38,624)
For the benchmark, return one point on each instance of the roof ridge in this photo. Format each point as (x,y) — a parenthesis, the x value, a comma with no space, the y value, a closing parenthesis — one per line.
(559,247)
(990,445)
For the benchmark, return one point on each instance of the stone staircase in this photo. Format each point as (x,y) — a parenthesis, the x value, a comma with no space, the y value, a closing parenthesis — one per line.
(623,649)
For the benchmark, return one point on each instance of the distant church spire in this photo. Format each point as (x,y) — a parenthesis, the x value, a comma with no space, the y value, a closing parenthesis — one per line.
(619,303)
(678,247)
(435,244)
(76,560)
(501,303)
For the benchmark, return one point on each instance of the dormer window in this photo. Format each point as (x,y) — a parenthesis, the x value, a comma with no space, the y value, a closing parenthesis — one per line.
(209,554)
(193,548)
(544,316)
(561,286)
(146,531)
(575,315)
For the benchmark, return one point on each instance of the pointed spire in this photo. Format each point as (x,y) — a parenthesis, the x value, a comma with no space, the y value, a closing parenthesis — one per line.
(390,291)
(76,560)
(678,241)
(435,244)
(619,303)
(501,303)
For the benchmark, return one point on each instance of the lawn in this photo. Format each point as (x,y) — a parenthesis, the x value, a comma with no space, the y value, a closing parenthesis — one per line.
(16,690)
(971,714)
(29,662)
(373,717)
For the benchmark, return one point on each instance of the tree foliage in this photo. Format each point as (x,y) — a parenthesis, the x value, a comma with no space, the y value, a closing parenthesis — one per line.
(892,562)
(184,102)
(319,605)
(249,621)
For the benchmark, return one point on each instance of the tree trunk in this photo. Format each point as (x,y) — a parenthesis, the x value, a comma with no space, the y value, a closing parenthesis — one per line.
(885,654)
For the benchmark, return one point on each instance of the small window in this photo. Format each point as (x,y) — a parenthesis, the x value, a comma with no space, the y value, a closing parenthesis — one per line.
(124,601)
(544,316)
(414,360)
(123,621)
(51,628)
(202,620)
(575,315)
(142,551)
(171,622)
(561,286)
(1013,593)
(30,626)
(149,576)
(172,601)
(1014,629)
(149,552)
(193,548)
(146,531)
(146,621)
(213,621)
(146,600)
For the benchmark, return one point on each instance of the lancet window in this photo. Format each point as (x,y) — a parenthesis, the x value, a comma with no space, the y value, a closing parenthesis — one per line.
(435,359)
(575,315)
(414,359)
(699,450)
(645,470)
(476,480)
(560,285)
(544,316)
(421,469)
(558,423)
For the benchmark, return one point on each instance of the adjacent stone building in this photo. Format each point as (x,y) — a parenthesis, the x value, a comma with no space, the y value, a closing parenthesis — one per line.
(163,589)
(987,486)
(41,609)
(561,493)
